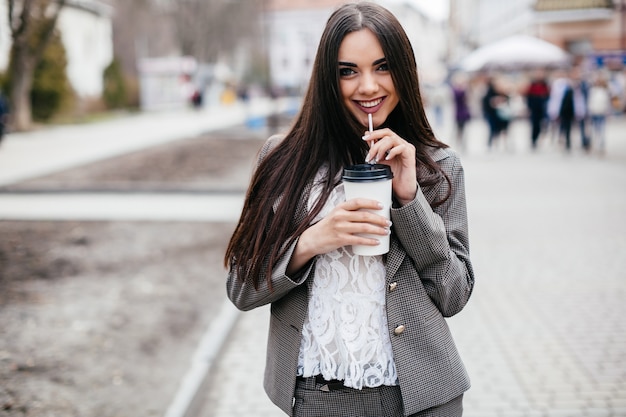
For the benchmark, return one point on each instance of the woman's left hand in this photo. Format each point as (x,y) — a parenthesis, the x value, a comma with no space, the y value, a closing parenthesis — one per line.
(386,147)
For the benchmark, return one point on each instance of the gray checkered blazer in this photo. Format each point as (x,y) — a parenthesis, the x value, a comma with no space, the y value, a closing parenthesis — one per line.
(429,276)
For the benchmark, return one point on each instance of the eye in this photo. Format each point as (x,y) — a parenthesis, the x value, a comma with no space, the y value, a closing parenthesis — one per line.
(383,67)
(346,71)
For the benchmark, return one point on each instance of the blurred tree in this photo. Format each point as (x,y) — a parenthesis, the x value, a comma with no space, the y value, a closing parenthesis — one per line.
(32,24)
(140,30)
(207,29)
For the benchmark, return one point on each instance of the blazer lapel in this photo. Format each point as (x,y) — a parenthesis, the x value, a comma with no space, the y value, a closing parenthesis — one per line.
(395,256)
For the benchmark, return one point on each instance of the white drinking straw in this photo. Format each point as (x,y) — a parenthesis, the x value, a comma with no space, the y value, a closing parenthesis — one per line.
(371,123)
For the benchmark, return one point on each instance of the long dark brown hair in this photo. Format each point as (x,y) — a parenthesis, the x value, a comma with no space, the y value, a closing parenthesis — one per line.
(325,132)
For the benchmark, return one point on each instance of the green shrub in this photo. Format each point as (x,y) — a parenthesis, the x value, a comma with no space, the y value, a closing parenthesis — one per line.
(4,83)
(115,91)
(51,89)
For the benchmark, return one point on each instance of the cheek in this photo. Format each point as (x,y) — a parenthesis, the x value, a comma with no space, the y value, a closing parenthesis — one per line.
(393,95)
(345,90)
(394,102)
(390,87)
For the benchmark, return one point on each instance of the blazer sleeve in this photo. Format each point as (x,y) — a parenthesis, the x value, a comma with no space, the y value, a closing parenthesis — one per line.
(240,290)
(245,297)
(437,240)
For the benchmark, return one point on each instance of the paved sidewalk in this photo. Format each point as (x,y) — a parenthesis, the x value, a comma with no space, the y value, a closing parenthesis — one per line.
(31,154)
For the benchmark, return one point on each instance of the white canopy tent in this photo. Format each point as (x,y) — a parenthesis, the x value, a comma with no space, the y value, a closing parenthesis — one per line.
(515,52)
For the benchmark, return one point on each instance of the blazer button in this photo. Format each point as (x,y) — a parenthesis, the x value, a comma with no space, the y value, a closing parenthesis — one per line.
(393,286)
(399,329)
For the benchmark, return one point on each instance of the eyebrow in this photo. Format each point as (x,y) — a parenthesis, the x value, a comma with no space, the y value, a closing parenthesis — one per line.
(350,64)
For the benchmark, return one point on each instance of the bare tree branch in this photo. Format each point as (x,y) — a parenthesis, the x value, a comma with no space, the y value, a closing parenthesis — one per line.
(32,27)
(48,26)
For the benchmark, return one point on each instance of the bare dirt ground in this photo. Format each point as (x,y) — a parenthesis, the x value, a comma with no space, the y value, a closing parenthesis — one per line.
(100,319)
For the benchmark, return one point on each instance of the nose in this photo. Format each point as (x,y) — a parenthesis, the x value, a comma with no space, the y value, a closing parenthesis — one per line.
(368,84)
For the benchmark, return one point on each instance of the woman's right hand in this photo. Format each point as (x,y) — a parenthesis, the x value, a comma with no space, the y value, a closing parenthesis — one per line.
(340,228)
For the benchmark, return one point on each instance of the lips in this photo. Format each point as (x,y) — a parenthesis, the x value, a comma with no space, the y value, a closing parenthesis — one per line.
(371,103)
(370,106)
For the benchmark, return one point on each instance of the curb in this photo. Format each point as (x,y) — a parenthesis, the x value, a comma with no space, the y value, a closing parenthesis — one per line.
(188,399)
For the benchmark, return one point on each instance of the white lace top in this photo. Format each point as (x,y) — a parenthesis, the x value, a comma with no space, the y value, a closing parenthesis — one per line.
(345,333)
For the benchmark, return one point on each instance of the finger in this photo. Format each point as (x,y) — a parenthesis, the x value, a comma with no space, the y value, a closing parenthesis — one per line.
(357,233)
(369,138)
(395,151)
(366,216)
(362,203)
(364,241)
(370,142)
(374,230)
(351,214)
(380,151)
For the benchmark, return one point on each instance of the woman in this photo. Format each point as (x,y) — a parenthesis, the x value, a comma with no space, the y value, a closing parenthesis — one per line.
(495,107)
(461,108)
(357,335)
(599,108)
(537,96)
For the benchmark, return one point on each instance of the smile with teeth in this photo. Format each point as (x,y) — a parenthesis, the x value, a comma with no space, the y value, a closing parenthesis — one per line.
(369,104)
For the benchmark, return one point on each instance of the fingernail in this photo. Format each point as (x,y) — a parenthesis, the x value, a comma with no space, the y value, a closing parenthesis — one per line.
(389,224)
(365,137)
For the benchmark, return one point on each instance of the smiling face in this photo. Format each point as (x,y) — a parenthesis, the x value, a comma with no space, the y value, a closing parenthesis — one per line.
(364,78)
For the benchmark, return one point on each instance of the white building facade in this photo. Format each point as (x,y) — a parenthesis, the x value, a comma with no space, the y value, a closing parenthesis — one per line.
(293,32)
(292,39)
(86,31)
(585,28)
(428,38)
(474,23)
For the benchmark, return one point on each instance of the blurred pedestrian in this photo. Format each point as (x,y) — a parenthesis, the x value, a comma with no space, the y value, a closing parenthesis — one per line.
(349,334)
(497,111)
(243,93)
(186,88)
(566,114)
(196,98)
(4,115)
(437,97)
(461,108)
(599,109)
(537,96)
(617,87)
(566,104)
(581,85)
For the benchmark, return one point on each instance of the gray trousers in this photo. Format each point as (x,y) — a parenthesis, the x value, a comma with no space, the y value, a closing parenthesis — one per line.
(383,401)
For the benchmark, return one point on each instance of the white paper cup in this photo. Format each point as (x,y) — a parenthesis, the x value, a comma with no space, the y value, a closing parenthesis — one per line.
(371,181)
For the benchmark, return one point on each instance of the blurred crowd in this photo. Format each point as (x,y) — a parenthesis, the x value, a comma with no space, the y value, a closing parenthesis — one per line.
(568,106)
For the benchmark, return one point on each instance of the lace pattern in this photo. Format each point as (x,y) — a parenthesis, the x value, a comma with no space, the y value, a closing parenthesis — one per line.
(345,333)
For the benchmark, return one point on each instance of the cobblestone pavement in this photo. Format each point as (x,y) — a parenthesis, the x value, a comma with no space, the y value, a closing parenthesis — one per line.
(545,331)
